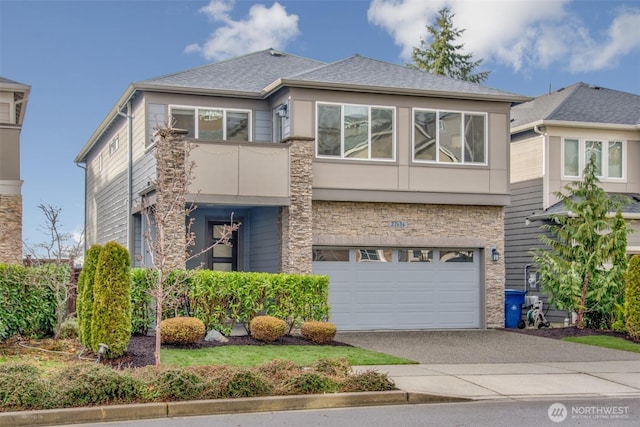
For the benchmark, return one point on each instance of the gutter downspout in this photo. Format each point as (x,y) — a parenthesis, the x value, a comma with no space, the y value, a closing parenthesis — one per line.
(129,201)
(84,219)
(541,130)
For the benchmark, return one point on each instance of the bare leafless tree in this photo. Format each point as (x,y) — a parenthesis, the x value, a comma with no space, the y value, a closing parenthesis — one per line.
(52,256)
(168,215)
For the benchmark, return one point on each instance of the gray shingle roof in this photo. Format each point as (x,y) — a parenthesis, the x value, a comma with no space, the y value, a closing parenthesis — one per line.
(254,72)
(633,205)
(362,71)
(248,73)
(6,81)
(580,103)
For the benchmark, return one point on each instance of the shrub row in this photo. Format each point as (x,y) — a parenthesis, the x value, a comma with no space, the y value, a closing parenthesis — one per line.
(222,299)
(28,306)
(24,387)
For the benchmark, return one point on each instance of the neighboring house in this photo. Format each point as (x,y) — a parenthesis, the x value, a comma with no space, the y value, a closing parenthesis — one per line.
(552,137)
(390,180)
(13,106)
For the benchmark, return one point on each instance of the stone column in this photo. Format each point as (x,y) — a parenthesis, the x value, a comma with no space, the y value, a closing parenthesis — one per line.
(296,236)
(11,229)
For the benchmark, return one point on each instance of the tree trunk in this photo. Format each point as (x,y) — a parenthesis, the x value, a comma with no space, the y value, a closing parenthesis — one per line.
(583,298)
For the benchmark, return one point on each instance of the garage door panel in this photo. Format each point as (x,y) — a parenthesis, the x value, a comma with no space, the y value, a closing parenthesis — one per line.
(403,295)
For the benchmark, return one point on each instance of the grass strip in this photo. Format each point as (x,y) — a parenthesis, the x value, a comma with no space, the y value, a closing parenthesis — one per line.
(256,355)
(614,343)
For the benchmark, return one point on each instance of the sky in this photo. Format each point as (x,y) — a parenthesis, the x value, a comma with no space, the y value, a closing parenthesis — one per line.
(79,56)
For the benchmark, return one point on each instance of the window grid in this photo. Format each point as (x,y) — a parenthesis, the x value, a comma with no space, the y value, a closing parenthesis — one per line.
(466,123)
(610,157)
(227,116)
(375,139)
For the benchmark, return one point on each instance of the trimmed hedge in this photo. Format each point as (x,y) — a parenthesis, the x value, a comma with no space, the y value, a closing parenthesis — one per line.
(28,307)
(223,299)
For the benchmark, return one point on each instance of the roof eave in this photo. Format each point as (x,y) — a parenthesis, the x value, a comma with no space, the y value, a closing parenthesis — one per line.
(568,123)
(109,118)
(390,90)
(196,91)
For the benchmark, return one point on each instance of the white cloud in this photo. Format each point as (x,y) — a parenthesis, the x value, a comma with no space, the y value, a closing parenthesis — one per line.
(265,27)
(524,34)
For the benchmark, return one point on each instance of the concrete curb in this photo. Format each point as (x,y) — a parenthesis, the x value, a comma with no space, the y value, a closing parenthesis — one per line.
(213,407)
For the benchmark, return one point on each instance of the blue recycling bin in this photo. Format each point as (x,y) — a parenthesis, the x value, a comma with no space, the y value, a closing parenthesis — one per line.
(513,300)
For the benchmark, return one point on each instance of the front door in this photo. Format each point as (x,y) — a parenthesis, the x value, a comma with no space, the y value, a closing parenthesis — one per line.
(222,257)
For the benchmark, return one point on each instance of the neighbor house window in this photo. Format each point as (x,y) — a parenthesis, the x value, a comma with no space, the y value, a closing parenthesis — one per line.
(348,131)
(449,137)
(609,157)
(213,123)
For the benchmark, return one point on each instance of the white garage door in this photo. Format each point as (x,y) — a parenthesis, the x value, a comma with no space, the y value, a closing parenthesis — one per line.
(401,288)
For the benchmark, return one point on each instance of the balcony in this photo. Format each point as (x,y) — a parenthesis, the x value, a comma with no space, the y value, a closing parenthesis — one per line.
(241,173)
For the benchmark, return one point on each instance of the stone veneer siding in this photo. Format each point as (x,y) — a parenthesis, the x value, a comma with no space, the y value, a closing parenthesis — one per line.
(11,229)
(295,219)
(368,224)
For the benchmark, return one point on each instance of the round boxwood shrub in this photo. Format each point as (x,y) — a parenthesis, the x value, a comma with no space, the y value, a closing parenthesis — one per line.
(111,316)
(318,332)
(267,328)
(181,330)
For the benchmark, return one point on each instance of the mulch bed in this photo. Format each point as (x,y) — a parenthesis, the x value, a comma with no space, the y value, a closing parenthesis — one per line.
(141,348)
(570,331)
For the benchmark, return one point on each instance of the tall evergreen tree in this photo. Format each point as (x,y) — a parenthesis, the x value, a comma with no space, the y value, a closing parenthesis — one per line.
(442,56)
(583,271)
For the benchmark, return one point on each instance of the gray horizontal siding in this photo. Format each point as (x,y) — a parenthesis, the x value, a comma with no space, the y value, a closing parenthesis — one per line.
(264,132)
(521,239)
(263,250)
(112,211)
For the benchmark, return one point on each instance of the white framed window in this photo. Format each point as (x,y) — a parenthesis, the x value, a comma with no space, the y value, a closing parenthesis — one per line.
(610,157)
(355,132)
(114,145)
(449,137)
(213,123)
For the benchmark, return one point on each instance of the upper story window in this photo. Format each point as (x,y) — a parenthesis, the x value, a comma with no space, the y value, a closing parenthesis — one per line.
(449,137)
(609,155)
(362,132)
(213,123)
(114,145)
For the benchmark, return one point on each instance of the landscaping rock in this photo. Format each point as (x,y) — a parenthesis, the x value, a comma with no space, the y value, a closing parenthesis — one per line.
(214,335)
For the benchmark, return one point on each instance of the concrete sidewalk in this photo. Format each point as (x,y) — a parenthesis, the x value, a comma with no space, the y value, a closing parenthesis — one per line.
(517,380)
(492,364)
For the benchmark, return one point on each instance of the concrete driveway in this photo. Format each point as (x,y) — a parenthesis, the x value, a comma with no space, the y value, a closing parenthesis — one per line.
(479,346)
(494,364)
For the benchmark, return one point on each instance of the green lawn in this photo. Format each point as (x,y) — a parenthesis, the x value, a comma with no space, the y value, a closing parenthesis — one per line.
(607,342)
(303,355)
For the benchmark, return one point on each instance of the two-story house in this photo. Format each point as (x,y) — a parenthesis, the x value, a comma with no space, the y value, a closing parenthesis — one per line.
(552,137)
(13,106)
(390,180)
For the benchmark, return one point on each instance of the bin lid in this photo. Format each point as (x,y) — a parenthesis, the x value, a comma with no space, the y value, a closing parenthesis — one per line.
(515,291)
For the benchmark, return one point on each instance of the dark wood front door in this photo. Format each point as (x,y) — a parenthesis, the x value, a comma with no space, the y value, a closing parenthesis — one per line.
(222,257)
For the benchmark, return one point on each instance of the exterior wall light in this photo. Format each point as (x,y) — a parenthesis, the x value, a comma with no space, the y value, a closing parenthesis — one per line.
(495,255)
